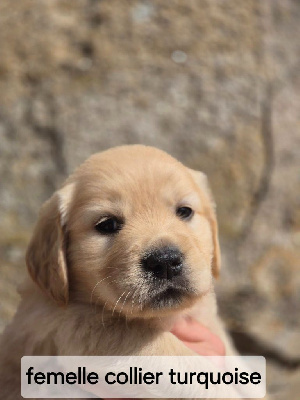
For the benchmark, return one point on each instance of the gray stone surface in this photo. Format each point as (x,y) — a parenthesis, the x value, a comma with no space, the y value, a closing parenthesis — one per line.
(215,83)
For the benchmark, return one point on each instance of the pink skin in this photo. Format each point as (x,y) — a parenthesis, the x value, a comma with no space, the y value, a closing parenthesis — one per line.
(198,338)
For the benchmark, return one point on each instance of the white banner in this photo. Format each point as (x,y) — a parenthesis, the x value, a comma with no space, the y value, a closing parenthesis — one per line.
(143,377)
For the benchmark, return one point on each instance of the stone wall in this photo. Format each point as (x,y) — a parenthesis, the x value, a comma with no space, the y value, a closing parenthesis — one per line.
(214,82)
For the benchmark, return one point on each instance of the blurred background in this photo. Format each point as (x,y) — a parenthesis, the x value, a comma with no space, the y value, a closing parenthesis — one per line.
(215,83)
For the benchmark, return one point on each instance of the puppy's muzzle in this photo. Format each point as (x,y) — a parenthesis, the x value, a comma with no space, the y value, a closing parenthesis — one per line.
(164,263)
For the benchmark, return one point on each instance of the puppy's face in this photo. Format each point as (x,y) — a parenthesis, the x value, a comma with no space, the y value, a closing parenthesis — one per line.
(136,233)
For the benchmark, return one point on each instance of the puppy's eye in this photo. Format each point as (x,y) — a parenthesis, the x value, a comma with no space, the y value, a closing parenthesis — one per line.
(108,225)
(184,212)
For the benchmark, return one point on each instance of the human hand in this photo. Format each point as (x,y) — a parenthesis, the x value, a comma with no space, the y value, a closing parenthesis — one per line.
(198,338)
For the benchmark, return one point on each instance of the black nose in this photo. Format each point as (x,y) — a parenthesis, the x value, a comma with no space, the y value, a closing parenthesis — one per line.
(165,262)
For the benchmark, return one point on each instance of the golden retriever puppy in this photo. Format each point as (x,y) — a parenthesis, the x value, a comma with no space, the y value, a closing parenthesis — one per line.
(126,246)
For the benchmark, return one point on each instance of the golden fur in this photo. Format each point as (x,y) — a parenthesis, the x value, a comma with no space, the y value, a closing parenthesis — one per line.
(87,294)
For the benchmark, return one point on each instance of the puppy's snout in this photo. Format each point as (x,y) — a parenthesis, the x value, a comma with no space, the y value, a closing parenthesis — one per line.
(165,262)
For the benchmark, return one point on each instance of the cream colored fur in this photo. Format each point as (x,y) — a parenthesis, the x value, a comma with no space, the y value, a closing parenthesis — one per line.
(85,294)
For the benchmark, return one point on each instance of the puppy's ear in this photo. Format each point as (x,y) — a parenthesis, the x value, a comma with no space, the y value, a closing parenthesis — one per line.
(46,257)
(210,210)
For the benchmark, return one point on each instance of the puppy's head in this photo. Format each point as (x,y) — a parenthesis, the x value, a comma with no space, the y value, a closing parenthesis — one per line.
(132,229)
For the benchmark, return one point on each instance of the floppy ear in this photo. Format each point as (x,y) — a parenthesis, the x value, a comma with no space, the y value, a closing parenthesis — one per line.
(210,210)
(46,256)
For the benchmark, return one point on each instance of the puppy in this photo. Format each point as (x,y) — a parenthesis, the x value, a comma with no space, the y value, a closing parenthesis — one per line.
(126,246)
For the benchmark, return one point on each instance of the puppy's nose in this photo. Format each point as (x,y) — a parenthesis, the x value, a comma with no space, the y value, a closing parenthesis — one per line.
(165,262)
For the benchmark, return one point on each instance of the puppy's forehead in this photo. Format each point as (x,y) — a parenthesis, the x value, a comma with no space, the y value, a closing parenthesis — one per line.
(133,172)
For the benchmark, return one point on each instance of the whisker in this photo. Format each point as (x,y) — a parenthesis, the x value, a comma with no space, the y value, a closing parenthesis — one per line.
(133,299)
(117,303)
(139,288)
(124,301)
(91,299)
(102,315)
(99,297)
